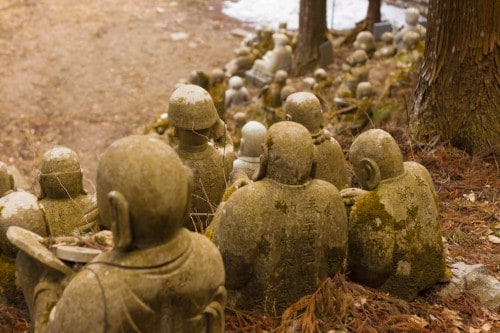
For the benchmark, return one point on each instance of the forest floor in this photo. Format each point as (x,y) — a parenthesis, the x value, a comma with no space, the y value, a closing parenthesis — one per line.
(83,74)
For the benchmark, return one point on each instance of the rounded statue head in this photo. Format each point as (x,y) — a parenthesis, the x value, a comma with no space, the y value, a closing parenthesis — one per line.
(364,41)
(308,83)
(235,82)
(191,107)
(143,192)
(359,57)
(60,174)
(243,51)
(411,16)
(6,180)
(320,74)
(280,39)
(410,40)
(280,76)
(240,118)
(217,76)
(305,108)
(364,90)
(253,135)
(288,154)
(375,156)
(387,37)
(286,91)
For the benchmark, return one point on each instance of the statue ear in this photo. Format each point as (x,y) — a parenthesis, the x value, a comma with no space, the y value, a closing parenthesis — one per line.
(372,172)
(262,170)
(120,220)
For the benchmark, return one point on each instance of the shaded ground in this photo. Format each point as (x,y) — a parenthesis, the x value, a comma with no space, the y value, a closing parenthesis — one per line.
(83,74)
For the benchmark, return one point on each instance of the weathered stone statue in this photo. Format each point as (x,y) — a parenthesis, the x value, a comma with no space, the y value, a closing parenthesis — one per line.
(412,15)
(158,277)
(279,58)
(199,78)
(305,108)
(394,236)
(253,135)
(284,232)
(389,48)
(355,114)
(239,65)
(365,41)
(270,96)
(217,89)
(6,180)
(237,94)
(356,71)
(65,204)
(193,114)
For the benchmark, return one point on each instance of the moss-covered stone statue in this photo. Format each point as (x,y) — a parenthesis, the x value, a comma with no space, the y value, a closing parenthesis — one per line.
(253,135)
(283,233)
(365,41)
(237,94)
(192,112)
(64,202)
(394,236)
(356,71)
(217,89)
(354,114)
(305,108)
(158,277)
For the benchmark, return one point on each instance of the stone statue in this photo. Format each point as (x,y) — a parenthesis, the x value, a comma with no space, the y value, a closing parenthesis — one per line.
(253,135)
(237,94)
(355,114)
(239,65)
(158,277)
(65,204)
(356,71)
(270,96)
(279,58)
(6,180)
(412,15)
(193,114)
(365,41)
(305,108)
(199,78)
(217,89)
(394,236)
(284,232)
(388,48)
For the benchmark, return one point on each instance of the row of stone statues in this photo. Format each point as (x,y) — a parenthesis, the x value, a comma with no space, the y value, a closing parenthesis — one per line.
(276,235)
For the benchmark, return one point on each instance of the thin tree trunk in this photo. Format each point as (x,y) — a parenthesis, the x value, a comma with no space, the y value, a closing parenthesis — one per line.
(373,14)
(458,94)
(312,32)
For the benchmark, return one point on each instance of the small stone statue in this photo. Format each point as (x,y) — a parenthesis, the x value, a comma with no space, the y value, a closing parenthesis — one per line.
(237,94)
(193,114)
(6,180)
(199,78)
(305,108)
(355,114)
(239,65)
(271,96)
(394,237)
(357,71)
(284,232)
(217,89)
(158,277)
(279,58)
(365,41)
(412,15)
(65,204)
(389,48)
(253,135)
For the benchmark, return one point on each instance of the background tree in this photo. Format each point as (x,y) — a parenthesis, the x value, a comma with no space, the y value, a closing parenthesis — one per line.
(373,14)
(311,34)
(458,94)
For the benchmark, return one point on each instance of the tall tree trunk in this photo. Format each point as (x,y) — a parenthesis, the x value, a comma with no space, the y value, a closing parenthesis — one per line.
(312,32)
(373,14)
(457,96)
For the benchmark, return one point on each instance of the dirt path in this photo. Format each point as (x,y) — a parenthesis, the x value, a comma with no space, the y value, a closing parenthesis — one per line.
(84,73)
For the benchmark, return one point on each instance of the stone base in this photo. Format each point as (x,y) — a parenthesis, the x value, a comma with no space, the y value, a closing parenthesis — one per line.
(258,79)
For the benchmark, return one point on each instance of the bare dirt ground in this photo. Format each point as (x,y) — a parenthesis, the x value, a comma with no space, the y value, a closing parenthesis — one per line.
(84,73)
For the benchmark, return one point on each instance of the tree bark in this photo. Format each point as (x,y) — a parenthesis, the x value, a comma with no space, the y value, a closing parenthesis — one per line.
(373,14)
(457,96)
(312,33)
